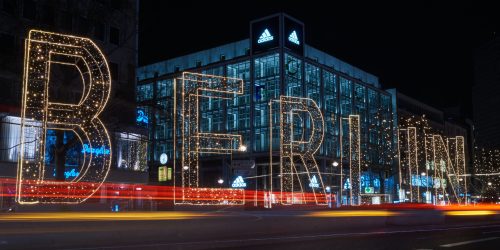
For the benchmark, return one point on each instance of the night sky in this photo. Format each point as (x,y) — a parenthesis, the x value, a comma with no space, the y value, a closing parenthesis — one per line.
(426,50)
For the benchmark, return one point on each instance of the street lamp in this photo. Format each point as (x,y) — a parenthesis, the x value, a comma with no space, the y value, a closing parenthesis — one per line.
(489,183)
(243,148)
(338,195)
(220,181)
(423,174)
(185,167)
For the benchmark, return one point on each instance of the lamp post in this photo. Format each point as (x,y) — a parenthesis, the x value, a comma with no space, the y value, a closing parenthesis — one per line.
(338,195)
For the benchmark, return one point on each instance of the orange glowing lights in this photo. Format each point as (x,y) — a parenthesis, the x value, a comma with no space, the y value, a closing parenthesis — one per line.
(39,114)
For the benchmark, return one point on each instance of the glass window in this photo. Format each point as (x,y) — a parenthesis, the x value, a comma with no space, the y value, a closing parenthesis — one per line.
(164,88)
(242,71)
(345,97)
(360,101)
(293,76)
(131,152)
(266,88)
(267,66)
(330,143)
(313,82)
(144,92)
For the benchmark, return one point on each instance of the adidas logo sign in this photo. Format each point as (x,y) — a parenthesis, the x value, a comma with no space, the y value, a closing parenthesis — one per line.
(239,182)
(314,182)
(293,38)
(265,37)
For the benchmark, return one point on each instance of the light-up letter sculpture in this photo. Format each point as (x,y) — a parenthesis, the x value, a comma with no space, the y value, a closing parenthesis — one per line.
(460,166)
(300,148)
(446,168)
(413,163)
(355,159)
(196,90)
(39,114)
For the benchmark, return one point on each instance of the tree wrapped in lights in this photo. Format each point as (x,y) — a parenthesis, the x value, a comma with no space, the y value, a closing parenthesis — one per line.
(39,114)
(487,168)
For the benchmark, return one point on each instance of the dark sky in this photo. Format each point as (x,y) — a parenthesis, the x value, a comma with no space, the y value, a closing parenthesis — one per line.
(425,50)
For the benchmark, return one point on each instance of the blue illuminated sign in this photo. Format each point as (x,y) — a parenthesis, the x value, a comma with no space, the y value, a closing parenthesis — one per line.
(347,184)
(67,174)
(293,38)
(97,151)
(314,182)
(239,183)
(142,117)
(265,37)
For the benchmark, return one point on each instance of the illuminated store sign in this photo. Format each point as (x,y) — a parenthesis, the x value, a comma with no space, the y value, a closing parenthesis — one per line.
(347,184)
(294,32)
(265,37)
(239,183)
(293,38)
(95,151)
(314,182)
(142,117)
(67,174)
(169,174)
(265,34)
(162,173)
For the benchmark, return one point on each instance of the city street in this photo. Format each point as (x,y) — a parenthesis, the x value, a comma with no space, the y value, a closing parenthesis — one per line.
(247,230)
(128,124)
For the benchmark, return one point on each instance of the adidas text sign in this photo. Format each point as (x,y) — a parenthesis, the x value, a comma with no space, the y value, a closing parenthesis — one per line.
(314,182)
(293,38)
(239,182)
(265,37)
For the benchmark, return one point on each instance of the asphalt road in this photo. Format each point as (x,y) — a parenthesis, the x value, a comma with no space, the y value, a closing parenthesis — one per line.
(248,230)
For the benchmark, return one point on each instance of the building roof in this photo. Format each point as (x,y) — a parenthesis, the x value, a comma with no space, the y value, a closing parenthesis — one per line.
(240,48)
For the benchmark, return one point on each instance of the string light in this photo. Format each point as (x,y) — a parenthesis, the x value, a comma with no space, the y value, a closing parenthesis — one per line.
(413,162)
(195,142)
(447,170)
(420,140)
(42,49)
(304,149)
(354,159)
(487,165)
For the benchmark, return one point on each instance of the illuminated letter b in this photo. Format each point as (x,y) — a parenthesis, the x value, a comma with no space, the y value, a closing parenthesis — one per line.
(39,114)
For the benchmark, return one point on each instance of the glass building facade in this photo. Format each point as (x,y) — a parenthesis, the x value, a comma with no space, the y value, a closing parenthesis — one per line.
(338,88)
